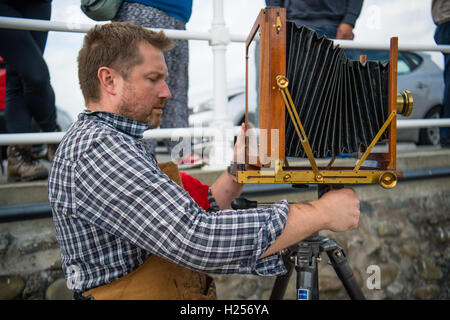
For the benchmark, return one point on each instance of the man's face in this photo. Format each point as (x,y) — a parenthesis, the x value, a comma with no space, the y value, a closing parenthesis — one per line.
(145,90)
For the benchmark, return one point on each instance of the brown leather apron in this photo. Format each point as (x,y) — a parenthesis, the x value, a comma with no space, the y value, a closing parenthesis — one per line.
(157,278)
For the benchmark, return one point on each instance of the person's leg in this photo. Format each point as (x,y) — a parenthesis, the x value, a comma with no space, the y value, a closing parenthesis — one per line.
(43,110)
(17,116)
(25,65)
(442,36)
(176,113)
(28,69)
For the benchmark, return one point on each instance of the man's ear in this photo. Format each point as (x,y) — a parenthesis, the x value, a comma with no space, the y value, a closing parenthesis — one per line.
(109,79)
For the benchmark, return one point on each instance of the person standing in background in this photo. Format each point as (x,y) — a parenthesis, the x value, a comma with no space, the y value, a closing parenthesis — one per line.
(29,94)
(333,18)
(166,14)
(440,11)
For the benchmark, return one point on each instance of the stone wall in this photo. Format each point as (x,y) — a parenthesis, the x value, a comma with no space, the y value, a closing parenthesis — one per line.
(30,262)
(405,232)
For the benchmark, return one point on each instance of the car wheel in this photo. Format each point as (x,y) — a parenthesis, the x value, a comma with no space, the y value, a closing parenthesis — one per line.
(430,136)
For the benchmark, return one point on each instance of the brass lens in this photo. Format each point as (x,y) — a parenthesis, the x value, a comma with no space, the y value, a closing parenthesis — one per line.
(405,103)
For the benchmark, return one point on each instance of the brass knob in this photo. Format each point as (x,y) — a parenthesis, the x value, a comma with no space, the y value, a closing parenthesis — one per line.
(405,103)
(319,177)
(388,180)
(282,81)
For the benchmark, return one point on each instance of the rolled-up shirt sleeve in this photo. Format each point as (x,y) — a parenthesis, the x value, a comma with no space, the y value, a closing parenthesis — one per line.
(125,194)
(272,229)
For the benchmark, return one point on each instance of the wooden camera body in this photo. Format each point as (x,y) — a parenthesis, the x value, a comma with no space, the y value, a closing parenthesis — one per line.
(269,164)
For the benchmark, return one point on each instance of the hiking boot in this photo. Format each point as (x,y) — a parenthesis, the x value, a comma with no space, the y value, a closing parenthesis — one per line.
(22,167)
(39,152)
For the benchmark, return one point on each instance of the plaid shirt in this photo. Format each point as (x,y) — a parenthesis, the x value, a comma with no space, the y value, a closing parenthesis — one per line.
(113,207)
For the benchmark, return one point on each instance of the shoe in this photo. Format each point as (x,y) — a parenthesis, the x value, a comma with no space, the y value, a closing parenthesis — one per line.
(191,161)
(39,152)
(22,167)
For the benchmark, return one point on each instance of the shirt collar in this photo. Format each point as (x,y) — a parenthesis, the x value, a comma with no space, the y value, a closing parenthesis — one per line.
(125,125)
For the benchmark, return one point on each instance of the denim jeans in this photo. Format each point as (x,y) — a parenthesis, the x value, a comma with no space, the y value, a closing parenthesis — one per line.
(29,94)
(442,36)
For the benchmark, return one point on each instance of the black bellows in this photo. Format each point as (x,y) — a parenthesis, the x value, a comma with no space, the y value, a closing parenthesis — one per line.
(341,103)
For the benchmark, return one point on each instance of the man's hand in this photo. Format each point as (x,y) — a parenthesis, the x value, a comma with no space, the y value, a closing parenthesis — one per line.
(345,32)
(340,208)
(239,147)
(225,189)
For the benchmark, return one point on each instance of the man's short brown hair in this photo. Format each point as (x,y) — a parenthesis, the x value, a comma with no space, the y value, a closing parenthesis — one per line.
(113,45)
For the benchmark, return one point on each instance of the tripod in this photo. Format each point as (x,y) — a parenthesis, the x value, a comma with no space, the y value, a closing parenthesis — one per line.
(304,256)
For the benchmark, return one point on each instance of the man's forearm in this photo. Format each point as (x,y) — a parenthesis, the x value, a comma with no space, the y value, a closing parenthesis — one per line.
(303,220)
(225,190)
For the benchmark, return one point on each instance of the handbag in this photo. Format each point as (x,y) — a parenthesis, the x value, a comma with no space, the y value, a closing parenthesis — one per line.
(100,10)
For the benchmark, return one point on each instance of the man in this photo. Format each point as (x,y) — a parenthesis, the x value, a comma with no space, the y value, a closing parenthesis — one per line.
(126,230)
(333,18)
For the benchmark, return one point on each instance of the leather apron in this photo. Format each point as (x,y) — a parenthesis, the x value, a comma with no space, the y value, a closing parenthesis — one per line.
(157,278)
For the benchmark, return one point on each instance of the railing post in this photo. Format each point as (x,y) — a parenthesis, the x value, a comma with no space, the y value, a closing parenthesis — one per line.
(222,147)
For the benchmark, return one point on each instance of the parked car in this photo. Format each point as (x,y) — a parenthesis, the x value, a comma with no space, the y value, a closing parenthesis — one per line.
(417,72)
(201,110)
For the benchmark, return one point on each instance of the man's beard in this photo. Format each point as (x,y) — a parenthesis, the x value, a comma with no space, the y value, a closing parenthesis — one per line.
(155,122)
(128,110)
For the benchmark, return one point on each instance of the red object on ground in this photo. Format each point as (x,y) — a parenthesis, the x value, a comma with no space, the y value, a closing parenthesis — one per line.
(197,190)
(191,161)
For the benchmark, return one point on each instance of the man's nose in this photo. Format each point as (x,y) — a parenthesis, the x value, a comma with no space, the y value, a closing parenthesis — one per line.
(165,91)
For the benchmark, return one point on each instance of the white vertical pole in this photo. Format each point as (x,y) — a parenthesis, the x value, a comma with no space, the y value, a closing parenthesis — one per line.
(222,146)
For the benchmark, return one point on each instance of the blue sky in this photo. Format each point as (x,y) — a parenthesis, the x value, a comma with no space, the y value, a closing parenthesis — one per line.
(410,20)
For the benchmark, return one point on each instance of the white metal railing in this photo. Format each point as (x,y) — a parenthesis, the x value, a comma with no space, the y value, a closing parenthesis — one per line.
(44,25)
(158,134)
(193,132)
(218,37)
